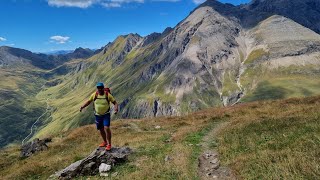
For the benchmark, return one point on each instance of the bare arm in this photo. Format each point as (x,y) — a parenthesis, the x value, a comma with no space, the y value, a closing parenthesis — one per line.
(116,107)
(85,105)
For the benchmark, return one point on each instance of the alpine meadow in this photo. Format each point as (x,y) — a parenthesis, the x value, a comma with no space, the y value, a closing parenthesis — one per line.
(231,92)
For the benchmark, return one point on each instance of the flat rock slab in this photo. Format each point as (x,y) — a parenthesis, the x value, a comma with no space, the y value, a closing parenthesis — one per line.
(209,167)
(90,165)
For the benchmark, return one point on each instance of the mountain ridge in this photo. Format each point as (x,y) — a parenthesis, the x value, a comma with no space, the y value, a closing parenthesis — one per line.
(174,74)
(304,12)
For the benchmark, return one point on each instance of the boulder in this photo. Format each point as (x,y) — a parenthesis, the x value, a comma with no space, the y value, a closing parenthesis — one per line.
(34,146)
(90,165)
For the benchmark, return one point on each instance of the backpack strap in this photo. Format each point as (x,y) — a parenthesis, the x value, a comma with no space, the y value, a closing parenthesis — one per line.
(106,92)
(96,96)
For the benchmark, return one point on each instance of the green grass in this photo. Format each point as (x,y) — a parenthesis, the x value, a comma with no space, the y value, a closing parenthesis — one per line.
(255,55)
(19,107)
(280,140)
(263,140)
(193,140)
(241,56)
(261,83)
(150,149)
(229,83)
(282,87)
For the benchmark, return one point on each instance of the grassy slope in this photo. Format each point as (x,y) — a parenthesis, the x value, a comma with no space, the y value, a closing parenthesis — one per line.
(264,140)
(76,88)
(19,108)
(281,83)
(259,82)
(274,140)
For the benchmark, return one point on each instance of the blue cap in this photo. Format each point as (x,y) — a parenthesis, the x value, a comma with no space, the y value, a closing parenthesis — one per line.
(100,84)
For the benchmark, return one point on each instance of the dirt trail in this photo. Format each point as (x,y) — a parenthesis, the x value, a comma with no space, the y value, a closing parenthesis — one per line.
(209,162)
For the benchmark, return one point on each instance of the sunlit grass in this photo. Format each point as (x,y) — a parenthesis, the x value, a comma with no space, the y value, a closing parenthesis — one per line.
(263,140)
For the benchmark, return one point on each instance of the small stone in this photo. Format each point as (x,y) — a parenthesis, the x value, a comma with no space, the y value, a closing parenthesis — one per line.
(114,174)
(104,168)
(214,177)
(167,158)
(207,156)
(215,155)
(104,174)
(215,166)
(208,174)
(214,161)
(190,144)
(157,127)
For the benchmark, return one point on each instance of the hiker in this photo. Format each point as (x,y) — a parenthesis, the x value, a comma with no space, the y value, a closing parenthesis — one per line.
(101,101)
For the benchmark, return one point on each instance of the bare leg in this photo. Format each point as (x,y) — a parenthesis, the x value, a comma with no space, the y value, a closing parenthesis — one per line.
(103,134)
(108,134)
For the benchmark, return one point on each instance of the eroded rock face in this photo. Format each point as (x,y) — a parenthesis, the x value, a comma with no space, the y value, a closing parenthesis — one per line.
(34,146)
(90,165)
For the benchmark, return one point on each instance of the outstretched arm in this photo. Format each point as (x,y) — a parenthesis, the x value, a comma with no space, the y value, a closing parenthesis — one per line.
(85,105)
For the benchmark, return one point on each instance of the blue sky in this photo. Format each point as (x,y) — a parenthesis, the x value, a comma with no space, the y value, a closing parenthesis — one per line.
(47,25)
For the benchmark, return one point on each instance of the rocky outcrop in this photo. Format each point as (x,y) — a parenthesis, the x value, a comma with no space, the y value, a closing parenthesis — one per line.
(131,40)
(90,165)
(232,98)
(34,146)
(150,39)
(156,108)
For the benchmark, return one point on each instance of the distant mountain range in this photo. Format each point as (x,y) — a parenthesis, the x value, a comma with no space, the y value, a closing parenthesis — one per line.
(219,55)
(58,52)
(65,52)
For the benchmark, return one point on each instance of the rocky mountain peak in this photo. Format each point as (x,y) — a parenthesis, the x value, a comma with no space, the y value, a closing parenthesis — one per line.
(167,30)
(305,12)
(150,38)
(16,57)
(81,53)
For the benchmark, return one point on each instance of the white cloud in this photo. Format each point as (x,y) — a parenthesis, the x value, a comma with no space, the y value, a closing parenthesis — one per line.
(198,1)
(111,5)
(72,3)
(106,3)
(126,1)
(59,39)
(2,39)
(167,0)
(117,3)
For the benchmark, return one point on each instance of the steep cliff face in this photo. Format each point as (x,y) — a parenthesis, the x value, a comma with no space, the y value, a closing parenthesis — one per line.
(187,66)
